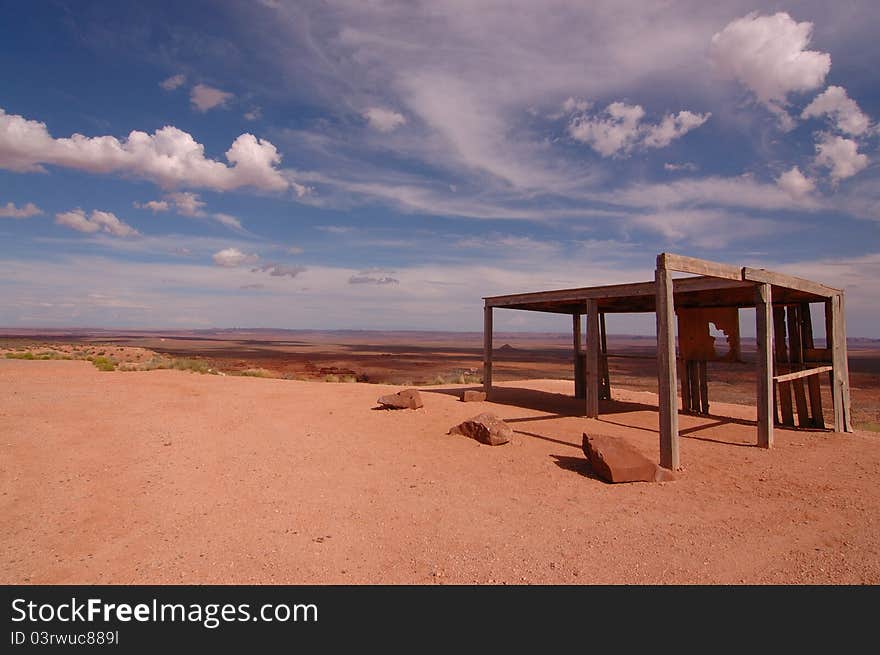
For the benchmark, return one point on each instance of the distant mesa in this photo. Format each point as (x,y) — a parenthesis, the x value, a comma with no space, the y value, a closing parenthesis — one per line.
(506,348)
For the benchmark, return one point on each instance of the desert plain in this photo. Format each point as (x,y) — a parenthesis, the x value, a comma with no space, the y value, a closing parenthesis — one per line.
(262,457)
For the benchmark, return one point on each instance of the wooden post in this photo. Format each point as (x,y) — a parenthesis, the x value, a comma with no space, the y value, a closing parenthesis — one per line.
(666,363)
(605,391)
(592,386)
(487,350)
(783,391)
(579,374)
(813,381)
(764,332)
(840,367)
(796,356)
(704,388)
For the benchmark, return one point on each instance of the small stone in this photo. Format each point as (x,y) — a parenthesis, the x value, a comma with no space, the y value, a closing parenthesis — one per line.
(473,396)
(409,399)
(485,428)
(614,460)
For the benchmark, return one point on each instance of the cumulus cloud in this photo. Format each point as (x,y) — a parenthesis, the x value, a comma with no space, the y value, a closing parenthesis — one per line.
(769,56)
(254,114)
(371,277)
(204,97)
(383,120)
(795,183)
(278,270)
(9,210)
(672,127)
(154,206)
(840,155)
(169,157)
(187,203)
(173,82)
(76,219)
(619,129)
(843,110)
(233,257)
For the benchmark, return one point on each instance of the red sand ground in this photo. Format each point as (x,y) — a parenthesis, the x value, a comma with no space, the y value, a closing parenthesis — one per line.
(175,477)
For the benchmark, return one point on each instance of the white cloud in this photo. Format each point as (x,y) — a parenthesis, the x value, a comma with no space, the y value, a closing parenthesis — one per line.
(279,270)
(768,55)
(672,127)
(683,166)
(98,221)
(233,257)
(205,98)
(840,155)
(154,206)
(173,82)
(370,279)
(572,105)
(295,250)
(836,104)
(703,228)
(383,120)
(187,203)
(254,114)
(619,128)
(169,157)
(9,210)
(228,220)
(795,183)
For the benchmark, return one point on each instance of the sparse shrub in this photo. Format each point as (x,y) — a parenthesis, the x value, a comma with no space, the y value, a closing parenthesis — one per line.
(348,378)
(194,365)
(256,373)
(104,363)
(18,355)
(331,378)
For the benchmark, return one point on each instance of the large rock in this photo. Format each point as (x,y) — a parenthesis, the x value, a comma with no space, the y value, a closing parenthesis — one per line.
(409,399)
(473,396)
(485,428)
(614,460)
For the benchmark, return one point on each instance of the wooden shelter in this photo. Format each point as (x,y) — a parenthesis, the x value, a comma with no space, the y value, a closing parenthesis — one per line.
(787,356)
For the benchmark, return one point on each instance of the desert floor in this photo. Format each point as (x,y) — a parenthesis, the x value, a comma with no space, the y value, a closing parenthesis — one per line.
(174,477)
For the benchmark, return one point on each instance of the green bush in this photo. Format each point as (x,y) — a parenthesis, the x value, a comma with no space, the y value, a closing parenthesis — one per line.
(104,363)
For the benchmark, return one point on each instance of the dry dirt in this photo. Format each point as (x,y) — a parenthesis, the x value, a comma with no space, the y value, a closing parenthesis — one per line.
(175,477)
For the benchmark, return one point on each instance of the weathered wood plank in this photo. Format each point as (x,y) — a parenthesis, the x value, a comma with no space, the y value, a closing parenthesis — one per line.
(487,349)
(683,264)
(806,373)
(704,388)
(580,376)
(813,389)
(684,370)
(764,332)
(605,390)
(795,352)
(840,388)
(783,391)
(592,387)
(788,281)
(668,403)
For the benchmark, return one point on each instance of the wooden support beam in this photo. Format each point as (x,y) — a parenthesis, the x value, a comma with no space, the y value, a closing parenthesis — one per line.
(605,390)
(580,376)
(704,388)
(763,318)
(696,266)
(796,356)
(487,349)
(840,372)
(806,373)
(783,390)
(813,388)
(668,401)
(592,387)
(788,281)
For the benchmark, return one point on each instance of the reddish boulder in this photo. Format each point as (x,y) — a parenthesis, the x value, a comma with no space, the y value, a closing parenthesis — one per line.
(473,396)
(485,428)
(409,399)
(614,460)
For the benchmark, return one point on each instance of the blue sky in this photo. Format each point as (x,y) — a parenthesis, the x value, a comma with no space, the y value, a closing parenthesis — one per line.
(385,165)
